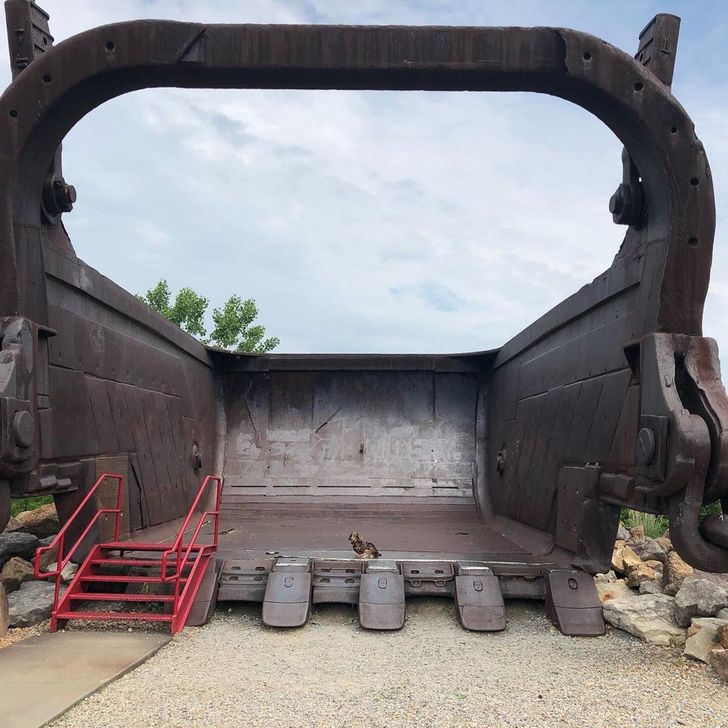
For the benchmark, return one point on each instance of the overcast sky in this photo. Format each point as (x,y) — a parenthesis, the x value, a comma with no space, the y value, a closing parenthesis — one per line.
(376,221)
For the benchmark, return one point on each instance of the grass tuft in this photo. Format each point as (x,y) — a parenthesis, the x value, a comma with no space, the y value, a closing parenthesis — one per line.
(18,505)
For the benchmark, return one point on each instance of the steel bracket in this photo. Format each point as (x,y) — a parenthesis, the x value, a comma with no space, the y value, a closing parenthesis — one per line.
(336,582)
(428,578)
(244,580)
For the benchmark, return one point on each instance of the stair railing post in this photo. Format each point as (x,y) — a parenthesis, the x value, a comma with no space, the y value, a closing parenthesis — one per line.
(217,510)
(59,561)
(119,489)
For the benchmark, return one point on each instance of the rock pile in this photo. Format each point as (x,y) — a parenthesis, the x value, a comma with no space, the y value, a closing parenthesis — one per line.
(653,594)
(24,601)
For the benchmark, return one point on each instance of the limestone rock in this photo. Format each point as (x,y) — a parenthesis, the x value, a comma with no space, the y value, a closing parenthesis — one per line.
(622,533)
(664,543)
(719,662)
(12,525)
(674,573)
(703,637)
(648,616)
(612,590)
(637,533)
(617,560)
(17,544)
(16,572)
(722,614)
(4,612)
(723,635)
(49,557)
(637,574)
(31,604)
(42,521)
(698,598)
(607,578)
(630,558)
(69,570)
(649,550)
(651,587)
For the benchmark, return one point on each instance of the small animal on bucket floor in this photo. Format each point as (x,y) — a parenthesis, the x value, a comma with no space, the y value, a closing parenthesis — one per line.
(364,549)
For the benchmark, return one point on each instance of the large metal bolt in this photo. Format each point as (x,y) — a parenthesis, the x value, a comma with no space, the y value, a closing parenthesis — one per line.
(646,446)
(23,428)
(620,205)
(64,194)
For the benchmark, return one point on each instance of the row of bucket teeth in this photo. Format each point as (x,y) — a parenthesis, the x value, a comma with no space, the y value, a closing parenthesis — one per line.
(288,586)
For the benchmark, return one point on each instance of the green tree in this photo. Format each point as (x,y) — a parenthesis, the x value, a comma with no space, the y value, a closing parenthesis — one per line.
(233,323)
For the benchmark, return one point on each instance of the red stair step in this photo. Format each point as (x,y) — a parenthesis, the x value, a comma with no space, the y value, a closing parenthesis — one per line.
(139,546)
(113,616)
(128,579)
(101,597)
(132,562)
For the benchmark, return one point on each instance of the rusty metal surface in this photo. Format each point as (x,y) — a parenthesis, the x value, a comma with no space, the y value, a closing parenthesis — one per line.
(611,399)
(350,434)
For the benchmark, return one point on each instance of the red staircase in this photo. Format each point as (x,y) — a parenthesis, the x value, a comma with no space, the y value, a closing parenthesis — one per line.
(171,574)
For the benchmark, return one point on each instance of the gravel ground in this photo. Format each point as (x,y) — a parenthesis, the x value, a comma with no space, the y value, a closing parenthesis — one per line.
(16,634)
(236,672)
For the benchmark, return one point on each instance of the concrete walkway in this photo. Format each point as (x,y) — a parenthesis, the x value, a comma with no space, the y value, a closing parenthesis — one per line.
(43,676)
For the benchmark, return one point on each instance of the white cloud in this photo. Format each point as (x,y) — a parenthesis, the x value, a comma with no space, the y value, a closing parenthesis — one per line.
(366,221)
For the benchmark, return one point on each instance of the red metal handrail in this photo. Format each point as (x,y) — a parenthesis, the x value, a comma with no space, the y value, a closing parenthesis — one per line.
(178,546)
(60,539)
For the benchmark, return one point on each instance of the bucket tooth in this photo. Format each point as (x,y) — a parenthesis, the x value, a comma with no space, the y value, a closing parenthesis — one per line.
(573,604)
(381,596)
(479,599)
(287,600)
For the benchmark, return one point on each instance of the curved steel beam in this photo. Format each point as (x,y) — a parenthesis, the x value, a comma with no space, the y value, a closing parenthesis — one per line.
(79,74)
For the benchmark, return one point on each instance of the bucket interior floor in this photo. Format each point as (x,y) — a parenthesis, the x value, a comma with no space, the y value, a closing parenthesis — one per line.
(400,531)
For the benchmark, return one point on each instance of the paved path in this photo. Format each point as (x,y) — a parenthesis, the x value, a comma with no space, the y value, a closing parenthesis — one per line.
(41,676)
(235,672)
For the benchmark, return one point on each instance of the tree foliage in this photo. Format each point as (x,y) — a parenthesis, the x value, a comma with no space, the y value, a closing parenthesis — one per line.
(233,328)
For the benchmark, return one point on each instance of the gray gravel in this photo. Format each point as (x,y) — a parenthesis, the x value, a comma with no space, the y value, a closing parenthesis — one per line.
(235,672)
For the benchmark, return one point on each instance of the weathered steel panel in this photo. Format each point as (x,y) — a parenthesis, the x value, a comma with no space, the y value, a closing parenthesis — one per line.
(378,433)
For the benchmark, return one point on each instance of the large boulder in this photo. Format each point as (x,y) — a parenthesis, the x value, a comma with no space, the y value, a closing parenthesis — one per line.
(17,544)
(698,598)
(42,521)
(648,616)
(609,590)
(4,612)
(674,573)
(719,662)
(703,637)
(16,572)
(723,635)
(31,604)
